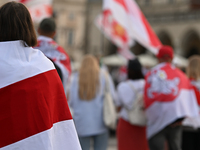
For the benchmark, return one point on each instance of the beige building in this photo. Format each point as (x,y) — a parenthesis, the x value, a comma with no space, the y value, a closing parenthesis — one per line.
(176,22)
(71,23)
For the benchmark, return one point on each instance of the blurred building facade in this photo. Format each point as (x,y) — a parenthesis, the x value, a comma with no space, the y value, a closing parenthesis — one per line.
(176,22)
(71,23)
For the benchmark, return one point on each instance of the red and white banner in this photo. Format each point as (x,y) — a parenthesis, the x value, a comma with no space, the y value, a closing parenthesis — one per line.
(34,113)
(114,31)
(58,55)
(126,53)
(39,9)
(169,95)
(123,23)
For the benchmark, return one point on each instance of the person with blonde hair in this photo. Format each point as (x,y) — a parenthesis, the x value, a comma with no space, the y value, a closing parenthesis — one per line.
(86,100)
(191,126)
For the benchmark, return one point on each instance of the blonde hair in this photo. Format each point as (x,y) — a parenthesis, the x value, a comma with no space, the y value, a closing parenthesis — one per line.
(193,69)
(88,78)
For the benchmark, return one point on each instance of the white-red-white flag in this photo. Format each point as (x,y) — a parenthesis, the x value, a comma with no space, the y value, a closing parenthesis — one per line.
(58,55)
(34,113)
(169,96)
(39,9)
(125,17)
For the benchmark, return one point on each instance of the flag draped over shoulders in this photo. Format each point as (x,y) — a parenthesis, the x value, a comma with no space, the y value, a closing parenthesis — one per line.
(168,96)
(34,113)
(57,54)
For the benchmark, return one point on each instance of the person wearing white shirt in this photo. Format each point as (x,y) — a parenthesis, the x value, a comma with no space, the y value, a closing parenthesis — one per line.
(130,136)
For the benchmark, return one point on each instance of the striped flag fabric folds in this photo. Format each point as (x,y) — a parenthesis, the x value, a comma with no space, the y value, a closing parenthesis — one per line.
(39,9)
(168,97)
(123,22)
(58,55)
(34,113)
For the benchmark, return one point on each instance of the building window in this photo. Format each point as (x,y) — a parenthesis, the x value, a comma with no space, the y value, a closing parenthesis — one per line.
(147,2)
(71,16)
(70,38)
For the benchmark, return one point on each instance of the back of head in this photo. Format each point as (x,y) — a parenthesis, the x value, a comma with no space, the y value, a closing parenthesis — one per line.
(193,68)
(88,78)
(165,54)
(47,26)
(16,24)
(134,69)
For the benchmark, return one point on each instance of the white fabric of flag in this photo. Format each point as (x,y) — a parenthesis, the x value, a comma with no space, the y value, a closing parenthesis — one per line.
(39,9)
(123,22)
(34,113)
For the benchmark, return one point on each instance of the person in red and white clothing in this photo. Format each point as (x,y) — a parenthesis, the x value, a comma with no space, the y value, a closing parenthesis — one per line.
(57,54)
(130,136)
(169,99)
(34,114)
(191,125)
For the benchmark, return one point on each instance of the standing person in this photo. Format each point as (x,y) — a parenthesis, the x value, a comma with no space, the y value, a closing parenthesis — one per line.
(169,98)
(191,126)
(34,113)
(129,136)
(86,99)
(47,31)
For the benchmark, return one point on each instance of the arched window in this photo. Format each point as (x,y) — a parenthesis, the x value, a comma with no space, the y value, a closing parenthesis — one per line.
(165,38)
(191,43)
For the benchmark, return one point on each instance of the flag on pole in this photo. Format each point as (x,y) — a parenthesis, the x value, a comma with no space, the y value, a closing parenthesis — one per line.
(132,24)
(168,97)
(34,113)
(39,9)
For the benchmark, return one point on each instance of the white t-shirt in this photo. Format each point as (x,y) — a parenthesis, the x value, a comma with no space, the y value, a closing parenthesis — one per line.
(126,95)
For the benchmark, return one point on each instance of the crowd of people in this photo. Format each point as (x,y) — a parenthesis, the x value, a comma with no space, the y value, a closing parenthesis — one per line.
(37,85)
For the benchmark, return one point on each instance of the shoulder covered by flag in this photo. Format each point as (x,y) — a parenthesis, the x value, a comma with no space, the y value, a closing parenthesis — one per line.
(57,54)
(168,97)
(34,113)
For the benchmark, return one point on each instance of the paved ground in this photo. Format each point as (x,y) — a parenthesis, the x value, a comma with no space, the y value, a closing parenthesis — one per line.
(112,145)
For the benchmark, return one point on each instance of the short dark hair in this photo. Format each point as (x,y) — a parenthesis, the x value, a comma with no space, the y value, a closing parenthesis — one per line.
(135,74)
(134,69)
(16,24)
(47,26)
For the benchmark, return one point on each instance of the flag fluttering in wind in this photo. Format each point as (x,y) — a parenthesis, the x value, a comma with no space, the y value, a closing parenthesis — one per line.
(39,9)
(123,23)
(168,96)
(34,113)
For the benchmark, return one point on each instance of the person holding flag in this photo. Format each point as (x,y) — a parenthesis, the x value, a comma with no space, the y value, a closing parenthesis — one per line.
(169,98)
(47,31)
(34,114)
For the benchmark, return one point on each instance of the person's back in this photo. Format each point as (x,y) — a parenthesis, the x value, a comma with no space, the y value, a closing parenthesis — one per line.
(169,98)
(88,115)
(191,125)
(86,100)
(127,92)
(34,113)
(47,31)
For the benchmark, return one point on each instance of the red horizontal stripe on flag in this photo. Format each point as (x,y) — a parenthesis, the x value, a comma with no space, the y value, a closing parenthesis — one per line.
(31,106)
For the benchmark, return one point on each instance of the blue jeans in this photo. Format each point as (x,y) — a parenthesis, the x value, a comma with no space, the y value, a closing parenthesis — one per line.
(100,141)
